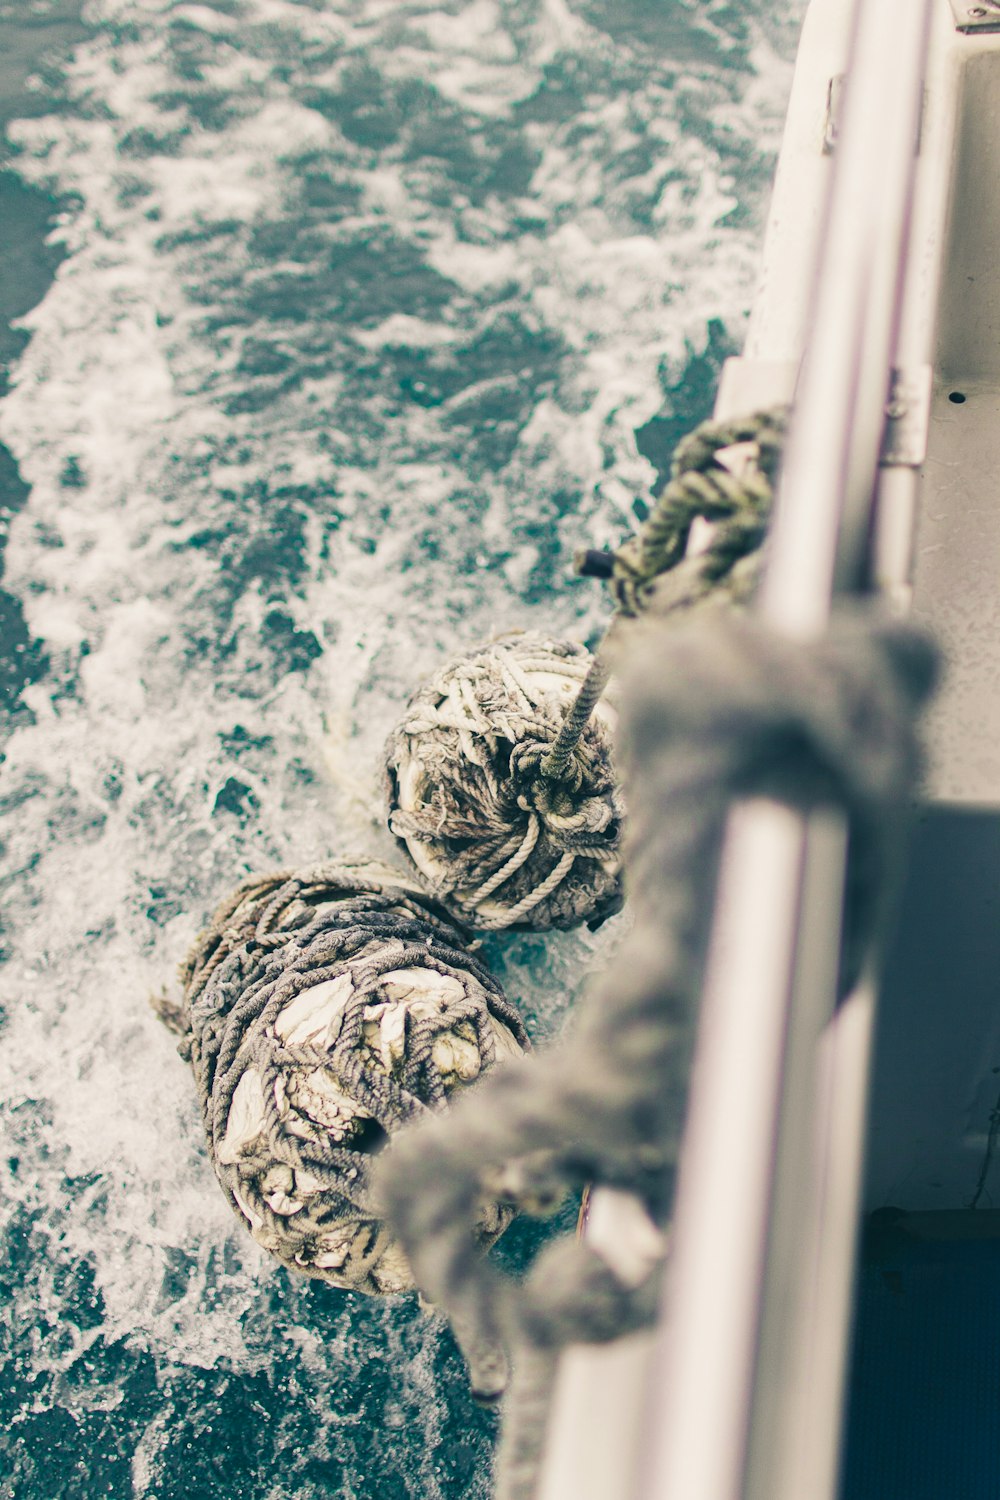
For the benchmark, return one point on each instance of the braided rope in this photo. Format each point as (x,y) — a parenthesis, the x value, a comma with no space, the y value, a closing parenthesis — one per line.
(556,764)
(323,1009)
(700,486)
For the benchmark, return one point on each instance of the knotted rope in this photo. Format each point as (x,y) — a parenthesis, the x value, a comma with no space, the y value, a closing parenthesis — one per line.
(501,788)
(322,1010)
(717,709)
(499,779)
(652,569)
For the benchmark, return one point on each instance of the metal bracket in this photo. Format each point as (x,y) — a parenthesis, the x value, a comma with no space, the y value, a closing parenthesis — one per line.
(907,418)
(834,110)
(976,15)
(835,95)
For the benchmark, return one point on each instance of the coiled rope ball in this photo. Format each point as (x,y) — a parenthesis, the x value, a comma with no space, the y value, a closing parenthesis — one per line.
(501,787)
(321,1011)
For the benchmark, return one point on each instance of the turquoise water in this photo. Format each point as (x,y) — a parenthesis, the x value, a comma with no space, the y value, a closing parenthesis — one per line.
(365,315)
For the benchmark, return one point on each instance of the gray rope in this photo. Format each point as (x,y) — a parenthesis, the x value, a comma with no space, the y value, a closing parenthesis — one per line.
(650,572)
(700,486)
(717,709)
(556,763)
(510,824)
(321,1011)
(525,1422)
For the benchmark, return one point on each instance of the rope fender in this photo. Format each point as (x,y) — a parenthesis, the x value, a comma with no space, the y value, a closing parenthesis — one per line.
(321,1010)
(501,789)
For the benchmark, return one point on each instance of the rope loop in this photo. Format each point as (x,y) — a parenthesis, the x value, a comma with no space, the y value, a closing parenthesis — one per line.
(702,486)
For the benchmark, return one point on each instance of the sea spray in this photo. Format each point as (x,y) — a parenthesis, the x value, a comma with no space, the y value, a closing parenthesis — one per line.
(360,309)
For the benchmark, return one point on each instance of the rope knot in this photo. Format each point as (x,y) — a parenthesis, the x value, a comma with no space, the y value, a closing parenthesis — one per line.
(718,710)
(502,789)
(539,790)
(723,473)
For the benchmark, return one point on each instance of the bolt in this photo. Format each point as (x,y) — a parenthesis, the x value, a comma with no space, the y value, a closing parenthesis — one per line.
(977,12)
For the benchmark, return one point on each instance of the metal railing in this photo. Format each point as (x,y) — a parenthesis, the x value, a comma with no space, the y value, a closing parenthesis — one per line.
(743,1391)
(740,1333)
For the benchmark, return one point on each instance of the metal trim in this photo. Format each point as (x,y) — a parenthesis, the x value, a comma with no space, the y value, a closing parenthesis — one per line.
(907,418)
(976,16)
(834,113)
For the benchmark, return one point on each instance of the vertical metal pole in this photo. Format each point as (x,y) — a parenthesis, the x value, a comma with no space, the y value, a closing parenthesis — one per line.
(699,1424)
(810,1461)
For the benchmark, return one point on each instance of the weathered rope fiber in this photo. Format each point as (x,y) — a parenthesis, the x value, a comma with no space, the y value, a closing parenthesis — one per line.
(716,709)
(322,1010)
(652,570)
(510,821)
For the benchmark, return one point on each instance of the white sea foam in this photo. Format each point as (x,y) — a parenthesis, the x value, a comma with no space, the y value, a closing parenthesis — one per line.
(122,418)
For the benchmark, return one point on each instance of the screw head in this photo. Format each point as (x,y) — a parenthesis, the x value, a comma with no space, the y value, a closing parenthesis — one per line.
(977,12)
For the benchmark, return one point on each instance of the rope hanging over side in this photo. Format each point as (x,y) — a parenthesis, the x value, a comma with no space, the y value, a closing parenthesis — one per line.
(511,819)
(716,709)
(499,780)
(322,1010)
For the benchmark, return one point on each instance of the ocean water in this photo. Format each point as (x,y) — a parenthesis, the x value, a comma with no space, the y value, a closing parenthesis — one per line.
(352,320)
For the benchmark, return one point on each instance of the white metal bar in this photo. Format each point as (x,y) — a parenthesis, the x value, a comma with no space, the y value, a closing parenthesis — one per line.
(822,512)
(719,1242)
(595,1420)
(810,1462)
(597,1399)
(784,1285)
